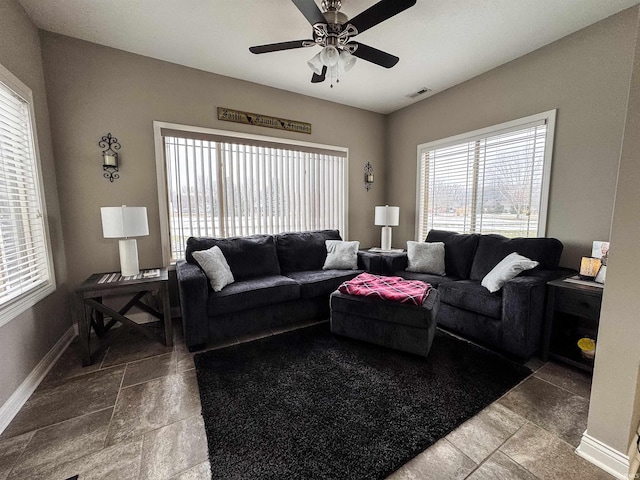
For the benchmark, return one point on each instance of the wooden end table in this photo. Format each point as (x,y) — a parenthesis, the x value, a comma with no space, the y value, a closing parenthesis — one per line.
(573,311)
(87,301)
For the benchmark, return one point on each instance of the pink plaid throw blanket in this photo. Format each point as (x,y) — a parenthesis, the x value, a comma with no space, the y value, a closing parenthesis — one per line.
(395,289)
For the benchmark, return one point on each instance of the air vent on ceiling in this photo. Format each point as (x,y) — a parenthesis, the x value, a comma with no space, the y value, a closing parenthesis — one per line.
(422,91)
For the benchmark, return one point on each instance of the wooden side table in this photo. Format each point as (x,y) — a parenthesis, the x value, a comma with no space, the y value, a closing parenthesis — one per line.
(573,312)
(87,300)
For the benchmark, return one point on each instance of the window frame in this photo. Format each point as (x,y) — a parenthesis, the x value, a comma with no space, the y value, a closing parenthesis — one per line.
(23,302)
(549,117)
(162,180)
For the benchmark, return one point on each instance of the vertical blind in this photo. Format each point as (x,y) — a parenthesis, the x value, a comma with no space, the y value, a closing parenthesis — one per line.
(487,184)
(24,262)
(222,188)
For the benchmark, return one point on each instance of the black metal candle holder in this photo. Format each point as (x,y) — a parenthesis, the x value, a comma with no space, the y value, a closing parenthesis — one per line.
(110,160)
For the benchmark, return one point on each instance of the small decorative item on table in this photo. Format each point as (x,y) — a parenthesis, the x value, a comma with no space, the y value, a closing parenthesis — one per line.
(601,250)
(589,267)
(587,348)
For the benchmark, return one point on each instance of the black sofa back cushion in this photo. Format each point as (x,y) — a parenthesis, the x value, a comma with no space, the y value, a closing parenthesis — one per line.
(459,249)
(303,251)
(493,248)
(248,257)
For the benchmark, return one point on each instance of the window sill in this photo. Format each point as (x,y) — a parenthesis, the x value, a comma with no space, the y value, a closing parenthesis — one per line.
(24,302)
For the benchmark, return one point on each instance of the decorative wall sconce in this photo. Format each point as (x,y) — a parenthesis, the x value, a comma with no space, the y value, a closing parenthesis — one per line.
(109,145)
(368,176)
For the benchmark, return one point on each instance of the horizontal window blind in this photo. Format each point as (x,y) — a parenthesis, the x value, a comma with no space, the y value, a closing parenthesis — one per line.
(222,188)
(24,258)
(490,183)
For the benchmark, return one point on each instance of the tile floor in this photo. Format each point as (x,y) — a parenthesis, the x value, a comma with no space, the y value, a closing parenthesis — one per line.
(135,414)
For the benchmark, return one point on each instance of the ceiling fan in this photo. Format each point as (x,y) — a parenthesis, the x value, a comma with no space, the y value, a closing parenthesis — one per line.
(333,31)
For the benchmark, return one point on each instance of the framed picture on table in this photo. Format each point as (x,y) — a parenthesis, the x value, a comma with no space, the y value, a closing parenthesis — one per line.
(601,250)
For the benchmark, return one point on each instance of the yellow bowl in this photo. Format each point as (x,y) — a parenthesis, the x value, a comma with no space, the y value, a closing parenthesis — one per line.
(587,347)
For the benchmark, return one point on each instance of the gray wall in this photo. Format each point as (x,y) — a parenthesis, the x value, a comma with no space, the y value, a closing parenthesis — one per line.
(27,338)
(94,90)
(586,77)
(614,410)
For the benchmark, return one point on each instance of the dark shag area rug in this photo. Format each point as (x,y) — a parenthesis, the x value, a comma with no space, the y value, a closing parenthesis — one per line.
(310,405)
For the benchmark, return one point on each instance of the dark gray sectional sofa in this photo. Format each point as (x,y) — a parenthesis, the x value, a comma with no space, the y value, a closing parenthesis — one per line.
(509,320)
(279,281)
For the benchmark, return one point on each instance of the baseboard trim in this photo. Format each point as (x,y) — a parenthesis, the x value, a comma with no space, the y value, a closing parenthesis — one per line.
(603,456)
(17,400)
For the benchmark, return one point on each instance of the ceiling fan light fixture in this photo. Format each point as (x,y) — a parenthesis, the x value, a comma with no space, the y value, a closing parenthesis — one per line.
(329,56)
(316,64)
(346,61)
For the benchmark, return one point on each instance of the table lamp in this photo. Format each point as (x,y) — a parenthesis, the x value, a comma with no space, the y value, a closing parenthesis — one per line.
(124,222)
(387,217)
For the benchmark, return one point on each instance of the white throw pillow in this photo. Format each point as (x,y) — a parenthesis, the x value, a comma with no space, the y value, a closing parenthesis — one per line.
(425,257)
(508,268)
(215,267)
(341,255)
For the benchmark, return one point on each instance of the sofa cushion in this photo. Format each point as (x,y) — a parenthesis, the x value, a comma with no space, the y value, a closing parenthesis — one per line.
(248,257)
(434,280)
(303,251)
(316,283)
(215,267)
(507,269)
(252,293)
(341,255)
(459,249)
(493,248)
(426,257)
(472,296)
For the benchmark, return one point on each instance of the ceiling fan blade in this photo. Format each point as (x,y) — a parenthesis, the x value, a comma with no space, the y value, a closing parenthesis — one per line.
(319,78)
(275,47)
(310,10)
(379,12)
(373,55)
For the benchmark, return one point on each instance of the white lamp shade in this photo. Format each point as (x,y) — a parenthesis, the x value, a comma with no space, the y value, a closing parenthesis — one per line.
(329,56)
(123,222)
(346,62)
(315,64)
(387,216)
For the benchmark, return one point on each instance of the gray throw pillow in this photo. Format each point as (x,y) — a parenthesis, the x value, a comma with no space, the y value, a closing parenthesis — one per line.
(425,257)
(341,255)
(215,267)
(508,268)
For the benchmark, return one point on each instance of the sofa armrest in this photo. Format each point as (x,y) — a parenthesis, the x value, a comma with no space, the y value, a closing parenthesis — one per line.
(193,288)
(523,310)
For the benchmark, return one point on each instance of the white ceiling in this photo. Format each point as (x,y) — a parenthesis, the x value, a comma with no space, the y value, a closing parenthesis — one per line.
(440,43)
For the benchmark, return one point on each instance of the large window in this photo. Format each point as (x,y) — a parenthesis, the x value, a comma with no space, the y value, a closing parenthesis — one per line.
(494,180)
(222,185)
(26,270)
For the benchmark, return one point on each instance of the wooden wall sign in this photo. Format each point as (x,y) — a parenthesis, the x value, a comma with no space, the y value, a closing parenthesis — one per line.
(248,118)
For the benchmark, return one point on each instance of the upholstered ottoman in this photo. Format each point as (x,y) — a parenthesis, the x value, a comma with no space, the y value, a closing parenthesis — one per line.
(402,326)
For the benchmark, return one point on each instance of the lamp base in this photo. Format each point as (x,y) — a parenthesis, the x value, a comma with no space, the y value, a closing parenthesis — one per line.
(385,238)
(129,257)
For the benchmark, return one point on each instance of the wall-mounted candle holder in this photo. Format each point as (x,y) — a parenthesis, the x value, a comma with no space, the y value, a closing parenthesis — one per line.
(368,176)
(109,145)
